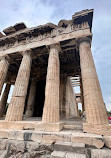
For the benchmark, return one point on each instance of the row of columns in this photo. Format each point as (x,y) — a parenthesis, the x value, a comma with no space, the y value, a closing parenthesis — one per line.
(94,104)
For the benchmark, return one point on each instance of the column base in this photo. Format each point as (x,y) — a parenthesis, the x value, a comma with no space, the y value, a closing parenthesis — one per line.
(97,129)
(17,125)
(50,127)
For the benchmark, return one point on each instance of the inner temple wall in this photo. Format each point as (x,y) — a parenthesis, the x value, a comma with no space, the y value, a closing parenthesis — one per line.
(39,98)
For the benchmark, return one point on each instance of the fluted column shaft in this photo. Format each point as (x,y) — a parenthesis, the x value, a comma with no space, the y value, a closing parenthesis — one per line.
(93,100)
(77,109)
(62,100)
(4,100)
(31,99)
(82,99)
(51,106)
(16,106)
(4,63)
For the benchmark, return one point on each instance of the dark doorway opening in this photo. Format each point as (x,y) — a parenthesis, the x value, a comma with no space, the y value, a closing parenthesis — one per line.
(39,98)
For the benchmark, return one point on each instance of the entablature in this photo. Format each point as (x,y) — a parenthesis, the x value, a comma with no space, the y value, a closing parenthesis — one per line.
(19,38)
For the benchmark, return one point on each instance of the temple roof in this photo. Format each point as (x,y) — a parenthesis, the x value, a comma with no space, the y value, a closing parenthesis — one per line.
(21,27)
(82,16)
(19,38)
(15,28)
(77,18)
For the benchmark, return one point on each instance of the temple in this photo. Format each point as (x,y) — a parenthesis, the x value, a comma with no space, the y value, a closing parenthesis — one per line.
(44,64)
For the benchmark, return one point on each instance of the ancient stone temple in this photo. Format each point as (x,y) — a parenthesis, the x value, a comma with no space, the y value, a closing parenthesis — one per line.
(44,63)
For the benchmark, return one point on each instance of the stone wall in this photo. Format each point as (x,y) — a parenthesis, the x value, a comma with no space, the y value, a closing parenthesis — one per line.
(24,149)
(80,145)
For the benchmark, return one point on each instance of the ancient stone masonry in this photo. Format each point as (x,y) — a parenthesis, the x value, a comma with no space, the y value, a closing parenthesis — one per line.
(16,107)
(51,106)
(30,33)
(94,104)
(4,63)
(45,64)
(31,99)
(4,100)
(67,98)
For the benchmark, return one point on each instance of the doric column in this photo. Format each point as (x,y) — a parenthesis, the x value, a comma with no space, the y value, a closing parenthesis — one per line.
(16,106)
(51,106)
(71,109)
(62,100)
(4,98)
(4,63)
(82,98)
(77,109)
(31,99)
(93,100)
(68,107)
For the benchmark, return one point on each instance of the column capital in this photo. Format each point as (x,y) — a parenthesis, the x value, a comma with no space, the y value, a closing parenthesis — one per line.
(26,52)
(56,46)
(8,83)
(83,39)
(5,57)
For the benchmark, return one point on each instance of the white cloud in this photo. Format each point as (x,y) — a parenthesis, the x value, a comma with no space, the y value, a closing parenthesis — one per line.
(32,12)
(108,103)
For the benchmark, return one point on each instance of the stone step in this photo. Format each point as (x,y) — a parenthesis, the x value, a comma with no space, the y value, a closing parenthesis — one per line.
(58,154)
(51,137)
(18,125)
(3,153)
(73,127)
(100,153)
(61,154)
(73,123)
(70,147)
(75,155)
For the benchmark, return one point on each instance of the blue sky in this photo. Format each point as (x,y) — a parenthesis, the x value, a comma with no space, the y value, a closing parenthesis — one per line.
(37,12)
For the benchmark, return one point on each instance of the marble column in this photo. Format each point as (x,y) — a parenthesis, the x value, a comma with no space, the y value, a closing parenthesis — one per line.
(51,106)
(62,93)
(4,63)
(4,98)
(82,98)
(93,100)
(71,109)
(31,99)
(77,109)
(16,106)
